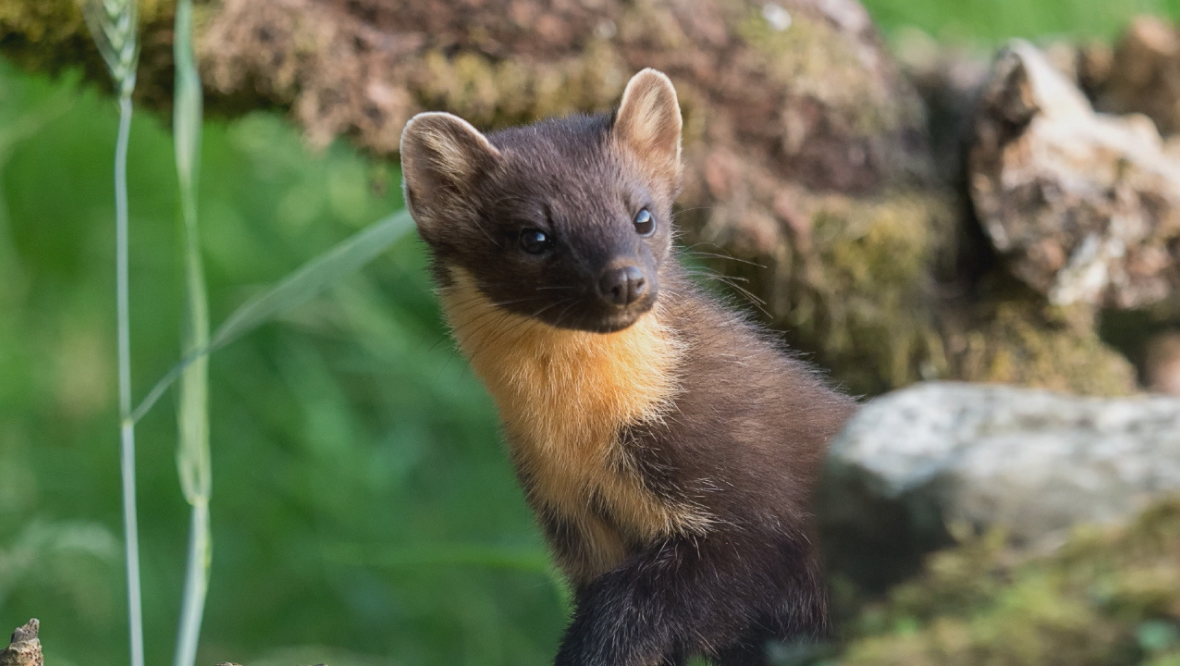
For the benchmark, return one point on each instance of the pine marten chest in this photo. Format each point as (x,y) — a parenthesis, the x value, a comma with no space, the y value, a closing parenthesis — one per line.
(567,398)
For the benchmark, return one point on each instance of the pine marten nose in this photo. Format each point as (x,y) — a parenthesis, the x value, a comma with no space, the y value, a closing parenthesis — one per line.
(622,285)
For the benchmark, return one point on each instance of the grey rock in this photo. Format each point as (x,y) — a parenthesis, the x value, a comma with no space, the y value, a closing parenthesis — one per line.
(915,462)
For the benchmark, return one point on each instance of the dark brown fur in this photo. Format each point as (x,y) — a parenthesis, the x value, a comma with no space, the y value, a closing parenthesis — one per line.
(673,486)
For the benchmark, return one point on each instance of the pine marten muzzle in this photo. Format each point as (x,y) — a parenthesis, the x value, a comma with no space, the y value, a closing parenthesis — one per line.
(667,445)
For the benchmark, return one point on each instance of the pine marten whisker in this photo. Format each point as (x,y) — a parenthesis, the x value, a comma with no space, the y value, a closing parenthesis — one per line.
(726,257)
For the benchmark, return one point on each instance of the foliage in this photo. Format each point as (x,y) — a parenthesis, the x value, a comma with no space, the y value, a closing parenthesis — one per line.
(57,554)
(993,21)
(193,455)
(349,428)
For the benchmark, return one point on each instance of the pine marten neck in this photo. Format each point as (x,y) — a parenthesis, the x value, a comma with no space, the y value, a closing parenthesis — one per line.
(564,396)
(553,384)
(667,445)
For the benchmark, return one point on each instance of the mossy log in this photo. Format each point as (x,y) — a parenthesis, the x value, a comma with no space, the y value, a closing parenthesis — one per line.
(807,150)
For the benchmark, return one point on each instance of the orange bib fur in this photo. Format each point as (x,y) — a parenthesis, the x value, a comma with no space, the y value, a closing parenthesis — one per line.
(564,397)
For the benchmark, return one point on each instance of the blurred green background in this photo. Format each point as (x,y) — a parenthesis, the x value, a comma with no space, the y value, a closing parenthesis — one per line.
(362,508)
(992,21)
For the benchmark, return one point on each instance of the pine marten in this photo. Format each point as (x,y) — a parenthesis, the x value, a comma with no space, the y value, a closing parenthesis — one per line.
(667,444)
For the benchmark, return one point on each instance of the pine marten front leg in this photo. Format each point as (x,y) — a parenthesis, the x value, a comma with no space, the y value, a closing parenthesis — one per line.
(726,596)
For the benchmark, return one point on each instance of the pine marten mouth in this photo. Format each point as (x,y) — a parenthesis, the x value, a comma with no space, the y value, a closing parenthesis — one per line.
(617,322)
(596,319)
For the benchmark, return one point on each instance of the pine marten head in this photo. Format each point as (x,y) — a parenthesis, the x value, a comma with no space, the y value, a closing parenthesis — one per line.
(567,221)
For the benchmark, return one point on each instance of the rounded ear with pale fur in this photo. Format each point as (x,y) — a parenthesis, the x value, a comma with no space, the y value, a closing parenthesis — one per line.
(442,155)
(648,123)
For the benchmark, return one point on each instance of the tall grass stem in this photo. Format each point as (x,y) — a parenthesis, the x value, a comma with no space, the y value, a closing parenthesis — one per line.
(113,25)
(127,425)
(193,456)
(196,584)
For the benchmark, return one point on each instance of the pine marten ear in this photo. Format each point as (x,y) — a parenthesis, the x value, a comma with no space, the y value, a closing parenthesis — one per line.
(648,124)
(442,156)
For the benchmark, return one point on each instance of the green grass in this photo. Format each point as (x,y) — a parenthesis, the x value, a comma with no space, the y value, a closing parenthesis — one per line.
(988,22)
(349,427)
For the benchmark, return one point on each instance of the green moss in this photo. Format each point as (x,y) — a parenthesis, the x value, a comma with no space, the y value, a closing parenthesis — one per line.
(41,22)
(807,49)
(885,244)
(500,93)
(813,59)
(857,288)
(1105,598)
(1021,340)
(46,23)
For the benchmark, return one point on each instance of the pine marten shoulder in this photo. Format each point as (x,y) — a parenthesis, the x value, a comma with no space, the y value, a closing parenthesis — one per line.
(667,444)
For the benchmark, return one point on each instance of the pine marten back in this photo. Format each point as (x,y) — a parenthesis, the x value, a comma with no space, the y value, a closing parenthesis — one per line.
(667,445)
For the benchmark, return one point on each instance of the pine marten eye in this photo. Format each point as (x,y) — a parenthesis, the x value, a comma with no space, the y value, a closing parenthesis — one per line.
(645,222)
(535,241)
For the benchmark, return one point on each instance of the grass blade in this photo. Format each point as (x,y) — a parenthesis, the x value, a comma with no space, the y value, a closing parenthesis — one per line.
(298,287)
(474,556)
(196,584)
(127,424)
(113,25)
(313,276)
(193,457)
(32,121)
(12,134)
